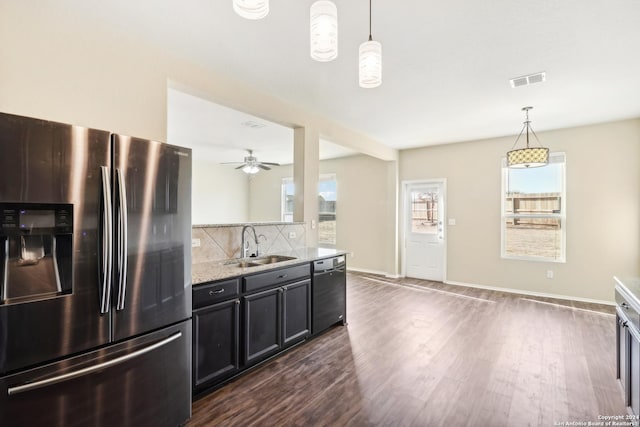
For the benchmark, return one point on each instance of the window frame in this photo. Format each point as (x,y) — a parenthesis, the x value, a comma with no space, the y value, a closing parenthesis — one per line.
(329,177)
(555,157)
(283,199)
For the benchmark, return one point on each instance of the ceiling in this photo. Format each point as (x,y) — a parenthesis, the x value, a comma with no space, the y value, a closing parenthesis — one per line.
(221,134)
(446,65)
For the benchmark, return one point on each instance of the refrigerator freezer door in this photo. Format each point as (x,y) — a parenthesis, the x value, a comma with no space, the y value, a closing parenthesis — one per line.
(140,382)
(54,168)
(152,209)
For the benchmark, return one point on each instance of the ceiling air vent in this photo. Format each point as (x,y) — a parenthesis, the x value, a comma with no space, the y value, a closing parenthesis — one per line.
(252,125)
(528,80)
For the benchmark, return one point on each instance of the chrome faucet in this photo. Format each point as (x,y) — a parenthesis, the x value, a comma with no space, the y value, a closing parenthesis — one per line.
(245,243)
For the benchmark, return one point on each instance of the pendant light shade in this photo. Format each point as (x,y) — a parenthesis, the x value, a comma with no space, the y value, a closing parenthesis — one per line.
(324,31)
(528,157)
(370,61)
(251,9)
(370,73)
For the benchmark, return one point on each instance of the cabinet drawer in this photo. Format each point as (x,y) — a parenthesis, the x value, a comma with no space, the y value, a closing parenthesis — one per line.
(628,310)
(204,295)
(276,277)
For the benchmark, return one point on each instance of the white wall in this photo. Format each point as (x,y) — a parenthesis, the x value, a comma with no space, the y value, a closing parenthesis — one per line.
(220,193)
(603,210)
(59,65)
(265,192)
(365,207)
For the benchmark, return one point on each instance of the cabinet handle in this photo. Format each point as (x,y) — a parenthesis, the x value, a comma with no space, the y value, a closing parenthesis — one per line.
(219,291)
(282,276)
(237,302)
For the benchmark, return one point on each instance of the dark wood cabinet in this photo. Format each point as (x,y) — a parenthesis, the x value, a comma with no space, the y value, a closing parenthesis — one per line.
(216,332)
(216,344)
(243,321)
(296,312)
(262,320)
(275,319)
(279,314)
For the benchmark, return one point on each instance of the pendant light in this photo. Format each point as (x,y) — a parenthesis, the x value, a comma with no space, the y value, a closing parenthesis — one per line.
(324,31)
(370,61)
(529,157)
(251,9)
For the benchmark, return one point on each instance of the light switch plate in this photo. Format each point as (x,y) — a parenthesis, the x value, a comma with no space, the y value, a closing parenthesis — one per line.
(292,234)
(452,221)
(195,243)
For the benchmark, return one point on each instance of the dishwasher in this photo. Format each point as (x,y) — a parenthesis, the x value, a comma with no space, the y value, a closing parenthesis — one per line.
(329,293)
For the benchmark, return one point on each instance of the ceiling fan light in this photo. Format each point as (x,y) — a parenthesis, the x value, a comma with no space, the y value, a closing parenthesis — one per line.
(251,9)
(324,31)
(370,64)
(251,169)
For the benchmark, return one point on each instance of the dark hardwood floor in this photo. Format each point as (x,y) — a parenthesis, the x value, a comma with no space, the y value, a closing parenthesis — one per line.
(419,353)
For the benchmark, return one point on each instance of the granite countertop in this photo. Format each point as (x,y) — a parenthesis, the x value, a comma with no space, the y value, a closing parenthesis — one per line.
(218,270)
(631,288)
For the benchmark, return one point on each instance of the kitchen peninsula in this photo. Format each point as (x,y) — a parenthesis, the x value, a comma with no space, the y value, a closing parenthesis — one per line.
(248,310)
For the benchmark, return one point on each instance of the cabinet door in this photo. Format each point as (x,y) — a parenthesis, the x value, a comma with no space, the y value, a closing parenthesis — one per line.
(262,324)
(216,341)
(621,340)
(634,373)
(296,312)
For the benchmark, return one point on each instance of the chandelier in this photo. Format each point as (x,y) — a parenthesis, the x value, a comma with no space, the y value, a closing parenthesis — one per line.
(528,157)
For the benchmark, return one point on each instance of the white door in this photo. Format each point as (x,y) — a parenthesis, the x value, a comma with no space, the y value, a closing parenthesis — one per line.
(424,232)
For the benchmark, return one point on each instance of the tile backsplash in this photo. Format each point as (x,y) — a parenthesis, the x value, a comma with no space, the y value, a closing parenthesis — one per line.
(221,242)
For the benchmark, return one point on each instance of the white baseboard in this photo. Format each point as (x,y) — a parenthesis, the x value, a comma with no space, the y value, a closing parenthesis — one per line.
(376,272)
(530,293)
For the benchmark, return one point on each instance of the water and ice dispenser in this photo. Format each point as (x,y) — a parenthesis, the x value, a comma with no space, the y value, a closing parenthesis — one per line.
(36,250)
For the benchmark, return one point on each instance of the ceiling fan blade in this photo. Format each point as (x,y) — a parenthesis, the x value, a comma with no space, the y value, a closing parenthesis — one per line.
(241,166)
(270,164)
(231,163)
(262,166)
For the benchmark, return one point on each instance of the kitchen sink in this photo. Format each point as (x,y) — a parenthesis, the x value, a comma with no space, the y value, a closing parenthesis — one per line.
(271,259)
(256,262)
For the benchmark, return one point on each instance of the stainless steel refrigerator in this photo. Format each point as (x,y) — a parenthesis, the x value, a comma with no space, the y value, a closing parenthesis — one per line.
(95,277)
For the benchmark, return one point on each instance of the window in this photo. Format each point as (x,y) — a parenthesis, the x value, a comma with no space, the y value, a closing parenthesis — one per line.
(326,207)
(327,210)
(425,211)
(534,211)
(287,200)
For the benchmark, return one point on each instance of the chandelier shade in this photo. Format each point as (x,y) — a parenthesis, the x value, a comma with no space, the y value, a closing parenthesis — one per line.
(528,157)
(251,9)
(370,64)
(324,31)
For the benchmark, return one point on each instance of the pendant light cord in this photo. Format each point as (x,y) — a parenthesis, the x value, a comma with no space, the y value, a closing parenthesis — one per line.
(370,38)
(525,126)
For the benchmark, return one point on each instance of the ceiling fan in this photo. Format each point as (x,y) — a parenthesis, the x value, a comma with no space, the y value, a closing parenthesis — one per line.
(251,165)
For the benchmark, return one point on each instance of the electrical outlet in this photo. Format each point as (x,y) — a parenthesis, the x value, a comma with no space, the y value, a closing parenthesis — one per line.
(353,255)
(292,234)
(452,221)
(195,243)
(549,274)
(313,224)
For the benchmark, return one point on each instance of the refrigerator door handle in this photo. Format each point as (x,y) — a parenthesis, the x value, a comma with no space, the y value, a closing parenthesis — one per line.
(122,240)
(91,369)
(107,241)
(4,292)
